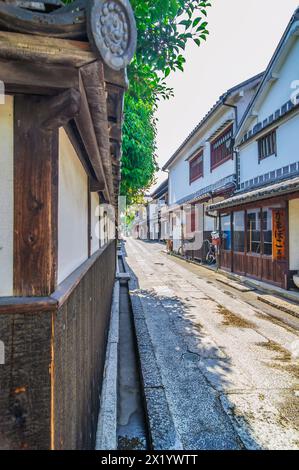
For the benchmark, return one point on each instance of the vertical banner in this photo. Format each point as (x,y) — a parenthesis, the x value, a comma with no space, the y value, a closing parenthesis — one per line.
(279,234)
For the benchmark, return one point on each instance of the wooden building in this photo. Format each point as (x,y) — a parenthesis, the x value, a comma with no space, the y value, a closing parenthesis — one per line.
(157,213)
(203,170)
(260,223)
(63,73)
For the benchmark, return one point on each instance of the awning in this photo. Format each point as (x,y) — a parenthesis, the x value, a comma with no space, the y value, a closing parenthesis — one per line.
(223,186)
(265,192)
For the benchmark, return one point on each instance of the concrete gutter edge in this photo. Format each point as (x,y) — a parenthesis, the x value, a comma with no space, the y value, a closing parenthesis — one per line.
(162,430)
(106,438)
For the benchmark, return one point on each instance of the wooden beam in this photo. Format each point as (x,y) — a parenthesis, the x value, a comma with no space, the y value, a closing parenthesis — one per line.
(57,111)
(115,103)
(35,78)
(23,305)
(85,126)
(45,50)
(13,305)
(115,132)
(35,201)
(89,219)
(96,94)
(116,78)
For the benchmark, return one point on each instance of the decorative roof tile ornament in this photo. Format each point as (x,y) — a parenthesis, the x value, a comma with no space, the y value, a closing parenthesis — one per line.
(38,5)
(112,30)
(44,18)
(109,24)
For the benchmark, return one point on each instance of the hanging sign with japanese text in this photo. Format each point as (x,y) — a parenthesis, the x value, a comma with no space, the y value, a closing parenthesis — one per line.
(279,234)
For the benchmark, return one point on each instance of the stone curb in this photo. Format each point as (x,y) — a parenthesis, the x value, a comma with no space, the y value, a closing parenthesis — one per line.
(280,304)
(106,438)
(245,281)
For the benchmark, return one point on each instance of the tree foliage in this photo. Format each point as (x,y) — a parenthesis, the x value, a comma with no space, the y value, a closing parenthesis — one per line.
(138,164)
(164,29)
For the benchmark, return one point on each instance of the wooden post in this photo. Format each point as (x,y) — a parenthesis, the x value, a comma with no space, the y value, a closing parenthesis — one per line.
(89,219)
(36,123)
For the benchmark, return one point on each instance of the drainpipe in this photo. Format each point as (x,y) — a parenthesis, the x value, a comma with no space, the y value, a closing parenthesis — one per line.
(235,108)
(167,204)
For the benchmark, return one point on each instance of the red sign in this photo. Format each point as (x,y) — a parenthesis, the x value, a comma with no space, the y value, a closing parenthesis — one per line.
(279,234)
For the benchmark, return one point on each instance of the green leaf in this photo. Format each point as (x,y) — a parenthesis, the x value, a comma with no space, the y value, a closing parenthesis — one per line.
(196,21)
(186,23)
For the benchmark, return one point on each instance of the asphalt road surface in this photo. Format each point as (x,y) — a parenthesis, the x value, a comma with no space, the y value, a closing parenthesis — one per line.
(229,363)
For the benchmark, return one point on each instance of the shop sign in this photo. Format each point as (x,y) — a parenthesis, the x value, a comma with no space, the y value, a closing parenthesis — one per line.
(279,234)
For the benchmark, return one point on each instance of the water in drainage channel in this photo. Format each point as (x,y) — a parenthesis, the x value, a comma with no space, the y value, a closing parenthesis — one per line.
(121,264)
(131,429)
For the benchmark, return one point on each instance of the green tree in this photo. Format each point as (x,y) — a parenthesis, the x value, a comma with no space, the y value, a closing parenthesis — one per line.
(164,29)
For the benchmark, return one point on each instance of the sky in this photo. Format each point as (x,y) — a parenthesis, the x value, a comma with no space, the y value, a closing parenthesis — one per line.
(243,37)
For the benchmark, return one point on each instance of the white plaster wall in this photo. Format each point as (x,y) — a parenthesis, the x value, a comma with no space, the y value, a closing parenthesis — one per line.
(177,232)
(294,234)
(179,176)
(179,186)
(244,101)
(287,152)
(153,218)
(280,92)
(111,226)
(107,224)
(94,225)
(6,197)
(72,209)
(102,227)
(249,165)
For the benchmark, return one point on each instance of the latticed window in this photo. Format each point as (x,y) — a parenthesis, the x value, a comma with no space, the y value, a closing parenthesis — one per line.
(222,148)
(267,145)
(196,167)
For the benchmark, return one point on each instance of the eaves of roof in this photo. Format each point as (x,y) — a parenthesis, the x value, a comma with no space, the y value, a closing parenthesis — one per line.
(213,110)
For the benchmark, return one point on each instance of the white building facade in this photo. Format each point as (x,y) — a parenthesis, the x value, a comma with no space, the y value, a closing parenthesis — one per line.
(260,224)
(156,211)
(203,170)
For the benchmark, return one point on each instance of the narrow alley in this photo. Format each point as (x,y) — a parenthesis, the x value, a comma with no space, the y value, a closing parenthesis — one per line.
(227,361)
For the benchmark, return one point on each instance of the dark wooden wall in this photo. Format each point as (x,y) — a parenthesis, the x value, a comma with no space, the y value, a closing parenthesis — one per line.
(25,381)
(80,332)
(202,252)
(51,381)
(260,266)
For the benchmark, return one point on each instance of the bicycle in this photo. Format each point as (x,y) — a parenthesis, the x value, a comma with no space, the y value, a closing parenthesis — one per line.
(211,254)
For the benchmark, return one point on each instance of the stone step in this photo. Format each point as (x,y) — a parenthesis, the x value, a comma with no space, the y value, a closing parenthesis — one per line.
(280,304)
(235,285)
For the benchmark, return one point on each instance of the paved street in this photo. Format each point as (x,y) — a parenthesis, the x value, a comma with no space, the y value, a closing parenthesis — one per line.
(228,367)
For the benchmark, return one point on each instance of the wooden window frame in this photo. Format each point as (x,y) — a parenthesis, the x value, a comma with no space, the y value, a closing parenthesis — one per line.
(233,231)
(215,161)
(267,145)
(199,156)
(230,215)
(259,212)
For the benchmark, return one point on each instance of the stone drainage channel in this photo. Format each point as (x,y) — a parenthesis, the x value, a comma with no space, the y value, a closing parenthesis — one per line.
(131,426)
(122,421)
